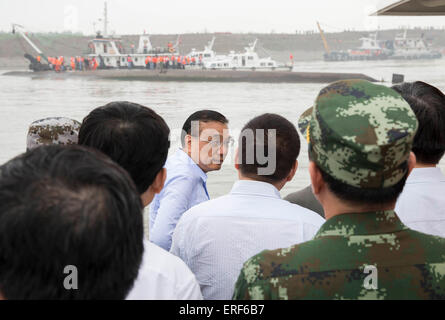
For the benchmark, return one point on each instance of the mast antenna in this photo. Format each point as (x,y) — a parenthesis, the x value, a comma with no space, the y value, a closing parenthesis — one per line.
(105,19)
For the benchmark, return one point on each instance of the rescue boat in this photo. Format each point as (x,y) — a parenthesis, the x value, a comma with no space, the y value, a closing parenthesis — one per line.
(241,60)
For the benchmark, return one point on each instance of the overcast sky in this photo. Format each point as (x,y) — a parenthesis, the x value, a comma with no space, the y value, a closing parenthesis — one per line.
(181,16)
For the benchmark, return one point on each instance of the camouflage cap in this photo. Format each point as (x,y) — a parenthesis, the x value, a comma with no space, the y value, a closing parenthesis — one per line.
(55,130)
(360,133)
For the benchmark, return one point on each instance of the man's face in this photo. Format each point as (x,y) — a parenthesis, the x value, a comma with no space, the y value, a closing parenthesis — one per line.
(209,148)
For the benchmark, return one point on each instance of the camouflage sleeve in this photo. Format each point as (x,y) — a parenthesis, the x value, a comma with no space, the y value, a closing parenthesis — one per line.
(241,288)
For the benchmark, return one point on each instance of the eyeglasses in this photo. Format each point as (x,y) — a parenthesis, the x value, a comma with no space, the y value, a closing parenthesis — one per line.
(216,143)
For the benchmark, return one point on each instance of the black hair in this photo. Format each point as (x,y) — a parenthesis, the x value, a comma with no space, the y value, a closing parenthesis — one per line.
(201,116)
(134,136)
(68,206)
(428,103)
(286,144)
(365,196)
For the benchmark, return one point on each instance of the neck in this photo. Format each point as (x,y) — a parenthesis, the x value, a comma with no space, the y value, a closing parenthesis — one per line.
(278,185)
(333,206)
(189,153)
(420,165)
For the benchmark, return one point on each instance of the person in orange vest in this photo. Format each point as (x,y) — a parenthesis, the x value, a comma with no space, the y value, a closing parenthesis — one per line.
(189,60)
(73,63)
(194,61)
(95,63)
(57,65)
(39,58)
(147,62)
(61,63)
(184,62)
(129,62)
(155,62)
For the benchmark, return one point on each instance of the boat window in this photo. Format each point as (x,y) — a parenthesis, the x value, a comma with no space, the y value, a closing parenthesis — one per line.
(250,58)
(105,48)
(270,64)
(123,59)
(135,59)
(108,59)
(235,58)
(207,55)
(226,64)
(263,64)
(212,65)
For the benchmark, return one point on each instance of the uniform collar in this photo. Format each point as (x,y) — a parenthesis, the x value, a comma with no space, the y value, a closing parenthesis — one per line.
(425,175)
(366,223)
(255,188)
(185,159)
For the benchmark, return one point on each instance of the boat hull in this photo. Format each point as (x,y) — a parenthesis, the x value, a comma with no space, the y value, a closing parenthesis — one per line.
(200,76)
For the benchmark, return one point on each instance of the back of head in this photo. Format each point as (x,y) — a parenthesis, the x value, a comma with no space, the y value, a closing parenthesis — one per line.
(428,103)
(268,148)
(360,136)
(134,136)
(201,116)
(54,130)
(68,207)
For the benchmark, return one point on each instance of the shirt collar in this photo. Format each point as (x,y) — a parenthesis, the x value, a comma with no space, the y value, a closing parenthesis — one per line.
(185,159)
(365,223)
(256,188)
(425,175)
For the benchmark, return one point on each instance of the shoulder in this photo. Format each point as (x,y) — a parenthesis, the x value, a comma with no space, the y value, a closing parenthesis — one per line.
(203,210)
(158,260)
(160,274)
(302,214)
(301,194)
(430,246)
(183,177)
(307,257)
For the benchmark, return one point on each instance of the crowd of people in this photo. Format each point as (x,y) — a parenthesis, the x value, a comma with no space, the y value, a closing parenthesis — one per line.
(371,225)
(152,62)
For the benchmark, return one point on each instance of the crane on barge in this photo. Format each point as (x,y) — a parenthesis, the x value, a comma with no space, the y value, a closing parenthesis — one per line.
(35,63)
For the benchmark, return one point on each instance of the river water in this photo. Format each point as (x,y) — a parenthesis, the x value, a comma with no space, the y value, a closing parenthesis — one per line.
(23,100)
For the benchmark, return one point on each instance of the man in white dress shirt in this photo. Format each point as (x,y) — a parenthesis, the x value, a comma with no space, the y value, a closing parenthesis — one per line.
(421,206)
(136,138)
(216,237)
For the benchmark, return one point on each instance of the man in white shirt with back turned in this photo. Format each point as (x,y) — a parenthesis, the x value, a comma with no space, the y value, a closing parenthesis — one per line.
(136,138)
(421,206)
(216,237)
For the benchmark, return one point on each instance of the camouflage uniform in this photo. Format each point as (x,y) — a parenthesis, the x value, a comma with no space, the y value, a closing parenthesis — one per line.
(360,134)
(56,130)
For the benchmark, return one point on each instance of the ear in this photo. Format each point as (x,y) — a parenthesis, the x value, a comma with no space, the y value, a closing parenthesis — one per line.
(316,178)
(411,162)
(188,143)
(159,181)
(236,159)
(292,172)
